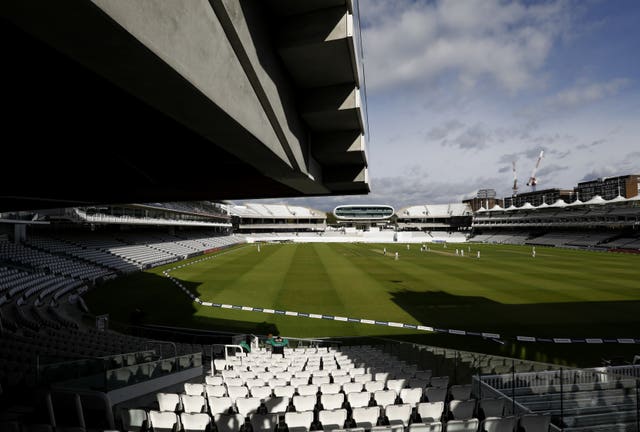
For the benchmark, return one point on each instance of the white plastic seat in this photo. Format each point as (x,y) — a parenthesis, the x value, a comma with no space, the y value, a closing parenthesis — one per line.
(228,422)
(247,406)
(305,403)
(397,385)
(302,374)
(363,378)
(462,410)
(284,391)
(169,402)
(339,372)
(255,382)
(332,419)
(491,407)
(277,404)
(213,380)
(265,376)
(234,382)
(215,390)
(470,425)
(366,417)
(392,428)
(411,395)
(426,427)
(442,381)
(350,387)
(534,422)
(264,422)
(319,380)
(373,386)
(247,375)
(229,374)
(309,389)
(341,379)
(299,381)
(196,422)
(385,397)
(220,405)
(398,414)
(499,424)
(330,388)
(261,392)
(236,392)
(431,411)
(381,376)
(417,383)
(358,399)
(320,373)
(134,419)
(164,421)
(331,401)
(435,394)
(194,389)
(193,403)
(299,421)
(356,371)
(276,382)
(460,392)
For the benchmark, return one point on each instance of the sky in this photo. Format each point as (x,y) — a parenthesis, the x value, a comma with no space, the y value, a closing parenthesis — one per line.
(458,89)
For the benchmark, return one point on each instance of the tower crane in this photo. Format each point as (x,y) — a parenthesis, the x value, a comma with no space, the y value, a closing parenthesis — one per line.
(533,181)
(515,179)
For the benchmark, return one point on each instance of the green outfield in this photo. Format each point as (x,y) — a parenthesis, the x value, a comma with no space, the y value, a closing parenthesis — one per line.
(559,293)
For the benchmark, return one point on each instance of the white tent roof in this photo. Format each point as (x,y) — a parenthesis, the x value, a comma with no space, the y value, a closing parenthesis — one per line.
(496,208)
(596,200)
(482,209)
(526,205)
(575,203)
(511,207)
(635,198)
(617,199)
(543,205)
(559,203)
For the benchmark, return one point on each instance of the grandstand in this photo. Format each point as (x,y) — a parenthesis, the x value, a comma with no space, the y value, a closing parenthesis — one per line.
(257,218)
(434,217)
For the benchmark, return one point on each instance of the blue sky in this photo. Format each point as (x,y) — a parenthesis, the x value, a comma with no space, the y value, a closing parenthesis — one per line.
(458,89)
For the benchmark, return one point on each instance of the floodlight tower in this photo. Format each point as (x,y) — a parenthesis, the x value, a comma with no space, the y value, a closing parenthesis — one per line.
(515,180)
(533,181)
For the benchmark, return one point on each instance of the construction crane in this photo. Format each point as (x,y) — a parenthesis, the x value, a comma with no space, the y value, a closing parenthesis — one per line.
(533,181)
(515,179)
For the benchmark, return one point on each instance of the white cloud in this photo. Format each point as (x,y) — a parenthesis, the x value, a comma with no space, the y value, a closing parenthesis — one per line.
(470,41)
(584,93)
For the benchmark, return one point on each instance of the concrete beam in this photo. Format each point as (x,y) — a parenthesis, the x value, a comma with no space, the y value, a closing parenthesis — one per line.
(348,179)
(333,108)
(339,148)
(317,48)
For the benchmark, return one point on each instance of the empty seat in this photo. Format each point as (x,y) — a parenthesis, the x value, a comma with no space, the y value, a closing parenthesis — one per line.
(332,419)
(330,388)
(248,406)
(350,387)
(236,392)
(168,402)
(299,421)
(318,380)
(462,410)
(277,404)
(234,382)
(263,422)
(195,422)
(460,392)
(366,417)
(305,403)
(261,392)
(373,386)
(213,380)
(470,425)
(220,405)
(194,389)
(255,382)
(397,385)
(134,419)
(228,422)
(164,421)
(286,391)
(215,390)
(341,379)
(193,403)
(426,427)
(411,395)
(332,401)
(277,382)
(363,378)
(359,399)
(491,408)
(385,397)
(381,376)
(442,381)
(417,383)
(499,424)
(299,381)
(309,389)
(431,411)
(229,374)
(399,414)
(435,394)
(534,423)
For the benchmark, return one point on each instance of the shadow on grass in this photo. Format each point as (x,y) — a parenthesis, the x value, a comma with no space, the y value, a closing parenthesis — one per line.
(610,319)
(150,299)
